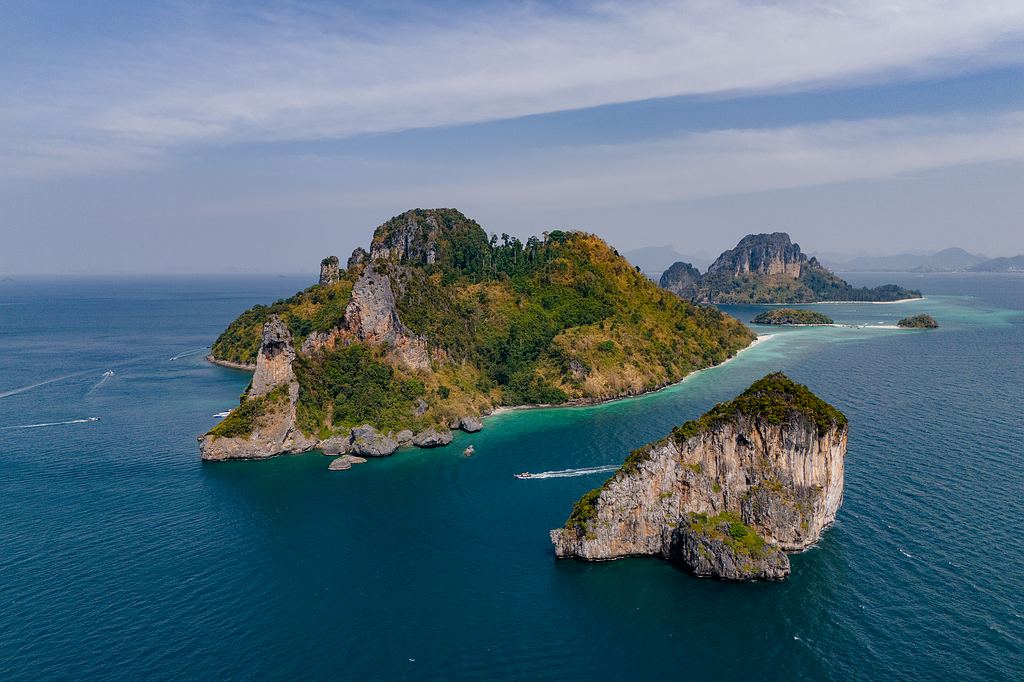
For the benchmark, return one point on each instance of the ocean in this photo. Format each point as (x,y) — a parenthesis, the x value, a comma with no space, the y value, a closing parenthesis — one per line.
(122,556)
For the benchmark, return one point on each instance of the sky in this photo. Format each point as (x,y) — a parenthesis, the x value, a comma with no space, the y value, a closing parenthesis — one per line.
(217,137)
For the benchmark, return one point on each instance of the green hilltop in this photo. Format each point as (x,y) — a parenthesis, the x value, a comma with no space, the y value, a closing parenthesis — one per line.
(554,319)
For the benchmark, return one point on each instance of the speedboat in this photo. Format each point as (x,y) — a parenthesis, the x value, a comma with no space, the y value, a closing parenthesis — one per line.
(468,452)
(525,474)
(109,373)
(221,415)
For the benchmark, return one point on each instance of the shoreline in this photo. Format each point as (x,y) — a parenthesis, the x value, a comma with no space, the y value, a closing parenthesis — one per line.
(594,402)
(231,365)
(901,300)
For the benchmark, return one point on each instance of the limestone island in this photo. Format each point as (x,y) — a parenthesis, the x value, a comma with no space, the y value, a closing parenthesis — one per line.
(725,495)
(438,324)
(792,316)
(921,321)
(769,268)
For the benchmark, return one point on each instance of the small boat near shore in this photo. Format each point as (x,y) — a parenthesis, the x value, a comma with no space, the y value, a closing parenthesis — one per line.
(468,452)
(221,415)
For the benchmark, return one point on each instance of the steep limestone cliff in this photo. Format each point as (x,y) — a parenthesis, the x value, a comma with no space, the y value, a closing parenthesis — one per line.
(263,425)
(726,493)
(761,254)
(330,270)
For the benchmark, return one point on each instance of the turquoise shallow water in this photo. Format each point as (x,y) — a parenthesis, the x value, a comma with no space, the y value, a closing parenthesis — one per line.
(122,556)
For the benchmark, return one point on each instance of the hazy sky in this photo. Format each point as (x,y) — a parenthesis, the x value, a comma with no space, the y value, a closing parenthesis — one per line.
(223,136)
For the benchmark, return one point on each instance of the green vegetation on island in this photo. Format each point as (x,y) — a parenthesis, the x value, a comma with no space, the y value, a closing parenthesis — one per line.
(727,527)
(791,316)
(921,321)
(499,321)
(242,420)
(772,399)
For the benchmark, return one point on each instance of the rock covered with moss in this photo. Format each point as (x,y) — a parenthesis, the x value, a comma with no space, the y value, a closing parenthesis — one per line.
(918,322)
(794,316)
(724,494)
(722,546)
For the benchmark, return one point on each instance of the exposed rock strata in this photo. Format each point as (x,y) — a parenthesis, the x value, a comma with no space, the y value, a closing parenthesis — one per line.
(776,470)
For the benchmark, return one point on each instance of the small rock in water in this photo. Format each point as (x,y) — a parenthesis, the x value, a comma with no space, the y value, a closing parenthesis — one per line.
(345,462)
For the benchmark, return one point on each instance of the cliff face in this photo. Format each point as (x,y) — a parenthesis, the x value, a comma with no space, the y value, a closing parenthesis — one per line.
(772,477)
(264,424)
(761,254)
(371,317)
(330,270)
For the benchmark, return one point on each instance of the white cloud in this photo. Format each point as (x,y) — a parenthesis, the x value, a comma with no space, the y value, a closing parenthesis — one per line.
(301,77)
(692,166)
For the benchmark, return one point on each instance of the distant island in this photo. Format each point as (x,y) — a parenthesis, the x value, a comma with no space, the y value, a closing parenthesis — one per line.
(725,495)
(1013,264)
(769,268)
(918,322)
(438,324)
(791,316)
(953,259)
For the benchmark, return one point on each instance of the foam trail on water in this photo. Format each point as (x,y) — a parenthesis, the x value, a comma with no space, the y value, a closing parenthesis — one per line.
(188,352)
(38,426)
(99,383)
(15,391)
(567,473)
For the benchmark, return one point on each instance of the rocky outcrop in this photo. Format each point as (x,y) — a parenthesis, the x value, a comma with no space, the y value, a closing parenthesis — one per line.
(369,442)
(410,239)
(769,463)
(470,424)
(681,279)
(371,317)
(330,270)
(358,258)
(431,438)
(274,361)
(345,462)
(761,254)
(710,549)
(264,424)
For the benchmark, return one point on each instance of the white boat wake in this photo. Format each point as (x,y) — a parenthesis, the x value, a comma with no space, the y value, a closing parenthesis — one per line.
(568,473)
(106,375)
(187,353)
(39,426)
(15,391)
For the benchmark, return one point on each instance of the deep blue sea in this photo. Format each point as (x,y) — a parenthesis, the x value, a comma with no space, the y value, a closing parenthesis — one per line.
(123,557)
